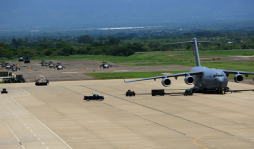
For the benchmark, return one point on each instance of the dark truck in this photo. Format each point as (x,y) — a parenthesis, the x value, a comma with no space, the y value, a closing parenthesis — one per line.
(130,93)
(4,91)
(17,79)
(158,92)
(188,92)
(94,97)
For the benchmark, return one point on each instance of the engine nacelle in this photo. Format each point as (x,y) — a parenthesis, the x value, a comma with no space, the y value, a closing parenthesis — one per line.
(166,82)
(238,78)
(189,80)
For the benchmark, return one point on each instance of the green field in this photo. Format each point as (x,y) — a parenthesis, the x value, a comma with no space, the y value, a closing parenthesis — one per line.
(160,58)
(132,75)
(166,58)
(178,58)
(128,75)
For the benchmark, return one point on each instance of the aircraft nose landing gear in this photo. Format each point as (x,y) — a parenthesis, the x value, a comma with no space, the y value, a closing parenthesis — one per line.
(221,91)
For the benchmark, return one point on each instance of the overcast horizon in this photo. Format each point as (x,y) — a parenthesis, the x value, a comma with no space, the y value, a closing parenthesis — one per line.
(46,14)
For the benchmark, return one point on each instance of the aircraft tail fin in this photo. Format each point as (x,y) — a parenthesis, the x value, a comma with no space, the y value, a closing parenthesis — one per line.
(195,48)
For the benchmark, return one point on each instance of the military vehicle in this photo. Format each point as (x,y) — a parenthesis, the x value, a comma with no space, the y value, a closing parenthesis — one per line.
(4,91)
(27,60)
(188,92)
(20,78)
(41,80)
(204,79)
(160,92)
(130,93)
(17,79)
(94,97)
(105,65)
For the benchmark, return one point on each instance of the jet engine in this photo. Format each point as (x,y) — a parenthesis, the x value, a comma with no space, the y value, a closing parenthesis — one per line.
(166,82)
(189,80)
(238,78)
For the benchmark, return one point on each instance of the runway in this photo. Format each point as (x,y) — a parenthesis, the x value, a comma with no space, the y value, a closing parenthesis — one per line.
(56,116)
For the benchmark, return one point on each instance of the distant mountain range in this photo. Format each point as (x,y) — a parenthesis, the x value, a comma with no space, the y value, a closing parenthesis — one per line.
(43,14)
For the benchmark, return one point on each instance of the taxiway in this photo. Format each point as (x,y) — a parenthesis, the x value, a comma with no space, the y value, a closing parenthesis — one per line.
(56,116)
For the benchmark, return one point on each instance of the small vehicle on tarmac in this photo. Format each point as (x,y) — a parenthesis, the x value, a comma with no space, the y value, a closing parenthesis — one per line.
(4,91)
(17,79)
(41,80)
(158,92)
(188,92)
(94,97)
(130,93)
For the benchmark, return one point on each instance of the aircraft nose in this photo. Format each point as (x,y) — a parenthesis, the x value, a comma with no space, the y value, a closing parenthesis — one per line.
(223,81)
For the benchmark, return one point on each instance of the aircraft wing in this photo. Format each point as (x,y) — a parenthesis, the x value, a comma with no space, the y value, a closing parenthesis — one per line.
(167,76)
(237,72)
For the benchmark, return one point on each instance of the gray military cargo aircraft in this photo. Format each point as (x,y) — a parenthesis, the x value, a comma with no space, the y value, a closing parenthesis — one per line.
(204,79)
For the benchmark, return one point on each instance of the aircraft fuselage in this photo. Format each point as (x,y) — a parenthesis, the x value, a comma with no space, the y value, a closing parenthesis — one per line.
(212,79)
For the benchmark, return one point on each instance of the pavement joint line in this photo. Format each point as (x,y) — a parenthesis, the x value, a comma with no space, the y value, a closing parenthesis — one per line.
(19,119)
(150,120)
(70,90)
(143,118)
(40,121)
(195,141)
(13,133)
(74,77)
(161,111)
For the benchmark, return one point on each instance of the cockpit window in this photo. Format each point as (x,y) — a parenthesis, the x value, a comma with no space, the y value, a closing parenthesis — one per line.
(218,75)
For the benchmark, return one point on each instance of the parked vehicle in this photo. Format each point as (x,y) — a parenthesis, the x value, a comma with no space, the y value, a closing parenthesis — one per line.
(94,97)
(158,92)
(41,80)
(4,91)
(188,92)
(130,93)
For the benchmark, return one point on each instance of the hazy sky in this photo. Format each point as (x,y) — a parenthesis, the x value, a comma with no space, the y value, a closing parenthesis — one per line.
(104,13)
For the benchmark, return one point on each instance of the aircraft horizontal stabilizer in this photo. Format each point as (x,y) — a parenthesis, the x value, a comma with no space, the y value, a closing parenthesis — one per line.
(190,42)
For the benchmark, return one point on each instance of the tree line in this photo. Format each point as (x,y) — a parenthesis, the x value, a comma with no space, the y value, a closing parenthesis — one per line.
(123,44)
